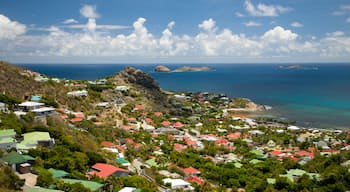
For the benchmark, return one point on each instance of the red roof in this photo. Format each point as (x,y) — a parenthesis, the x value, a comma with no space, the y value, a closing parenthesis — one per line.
(303,153)
(121,148)
(63,116)
(107,144)
(178,124)
(148,120)
(191,170)
(137,145)
(330,151)
(131,119)
(276,152)
(105,170)
(195,179)
(76,119)
(158,113)
(221,141)
(179,147)
(235,135)
(98,123)
(79,115)
(139,107)
(166,123)
(129,140)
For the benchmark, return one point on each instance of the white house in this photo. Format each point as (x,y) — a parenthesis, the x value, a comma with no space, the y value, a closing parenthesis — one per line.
(178,184)
(3,107)
(293,128)
(122,88)
(30,105)
(43,111)
(82,93)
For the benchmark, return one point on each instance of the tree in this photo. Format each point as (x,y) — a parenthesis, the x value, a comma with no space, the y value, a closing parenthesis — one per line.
(9,180)
(45,178)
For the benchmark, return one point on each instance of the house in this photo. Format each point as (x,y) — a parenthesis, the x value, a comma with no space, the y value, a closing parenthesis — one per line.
(178,184)
(195,179)
(43,111)
(7,139)
(122,88)
(179,147)
(190,171)
(165,130)
(3,107)
(293,128)
(166,123)
(35,98)
(33,139)
(40,189)
(178,125)
(17,161)
(30,105)
(56,173)
(129,189)
(103,170)
(93,186)
(234,136)
(103,105)
(82,93)
(139,107)
(122,161)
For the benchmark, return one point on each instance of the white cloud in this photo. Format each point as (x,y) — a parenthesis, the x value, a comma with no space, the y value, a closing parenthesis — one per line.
(89,11)
(252,24)
(345,7)
(10,29)
(211,43)
(69,21)
(171,24)
(279,34)
(264,10)
(208,25)
(296,24)
(239,14)
(335,34)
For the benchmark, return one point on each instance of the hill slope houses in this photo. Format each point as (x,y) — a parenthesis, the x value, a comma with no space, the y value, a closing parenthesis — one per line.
(17,82)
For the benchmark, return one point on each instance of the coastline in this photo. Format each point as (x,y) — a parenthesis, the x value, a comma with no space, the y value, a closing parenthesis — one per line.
(261,83)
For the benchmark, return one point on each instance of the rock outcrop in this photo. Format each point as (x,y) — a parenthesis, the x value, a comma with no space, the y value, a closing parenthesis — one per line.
(162,68)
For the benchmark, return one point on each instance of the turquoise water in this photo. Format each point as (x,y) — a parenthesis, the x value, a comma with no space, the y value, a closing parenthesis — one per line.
(314,98)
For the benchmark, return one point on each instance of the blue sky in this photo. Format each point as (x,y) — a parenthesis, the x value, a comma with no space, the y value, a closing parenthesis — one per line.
(174,31)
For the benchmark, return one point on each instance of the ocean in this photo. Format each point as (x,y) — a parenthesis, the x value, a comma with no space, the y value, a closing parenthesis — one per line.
(316,96)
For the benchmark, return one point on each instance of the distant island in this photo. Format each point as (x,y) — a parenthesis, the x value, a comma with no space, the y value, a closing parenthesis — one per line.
(297,67)
(162,68)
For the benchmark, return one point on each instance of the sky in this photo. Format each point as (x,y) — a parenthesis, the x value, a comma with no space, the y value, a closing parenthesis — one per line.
(175,31)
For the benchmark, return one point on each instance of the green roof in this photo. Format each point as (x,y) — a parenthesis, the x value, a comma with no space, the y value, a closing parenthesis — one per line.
(56,173)
(271,181)
(39,189)
(7,133)
(247,140)
(296,172)
(259,154)
(238,165)
(122,161)
(28,157)
(93,186)
(7,140)
(152,162)
(255,161)
(13,158)
(31,139)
